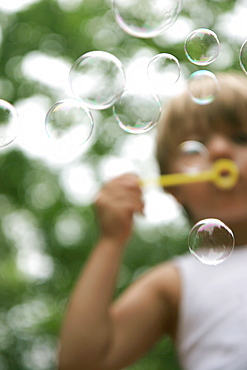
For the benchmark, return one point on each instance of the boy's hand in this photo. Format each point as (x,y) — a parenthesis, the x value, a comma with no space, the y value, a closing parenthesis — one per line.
(116,204)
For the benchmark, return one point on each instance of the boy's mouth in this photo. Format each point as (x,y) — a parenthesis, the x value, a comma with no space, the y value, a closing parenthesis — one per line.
(225,173)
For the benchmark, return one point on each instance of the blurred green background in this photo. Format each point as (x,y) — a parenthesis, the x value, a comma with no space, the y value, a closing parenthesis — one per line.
(47,223)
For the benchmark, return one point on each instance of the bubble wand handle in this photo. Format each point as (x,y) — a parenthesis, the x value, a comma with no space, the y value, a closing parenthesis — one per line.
(224,174)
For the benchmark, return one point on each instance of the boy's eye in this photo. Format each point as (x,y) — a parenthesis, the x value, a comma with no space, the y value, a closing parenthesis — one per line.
(240,138)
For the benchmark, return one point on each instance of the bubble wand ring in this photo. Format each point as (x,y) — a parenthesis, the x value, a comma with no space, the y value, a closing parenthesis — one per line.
(224,174)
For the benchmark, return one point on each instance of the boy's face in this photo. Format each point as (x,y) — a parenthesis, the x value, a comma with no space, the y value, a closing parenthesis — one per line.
(205,200)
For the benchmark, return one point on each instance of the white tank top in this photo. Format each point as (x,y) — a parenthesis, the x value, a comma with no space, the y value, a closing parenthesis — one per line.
(212,328)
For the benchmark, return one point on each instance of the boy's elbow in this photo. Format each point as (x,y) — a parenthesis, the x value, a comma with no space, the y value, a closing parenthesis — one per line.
(73,357)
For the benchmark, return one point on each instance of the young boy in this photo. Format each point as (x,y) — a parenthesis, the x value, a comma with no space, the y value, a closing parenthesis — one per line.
(203,308)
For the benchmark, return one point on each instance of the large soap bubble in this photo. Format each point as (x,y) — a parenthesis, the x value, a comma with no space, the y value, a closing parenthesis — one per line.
(137,111)
(211,241)
(202,46)
(97,78)
(68,121)
(163,70)
(146,18)
(193,156)
(203,87)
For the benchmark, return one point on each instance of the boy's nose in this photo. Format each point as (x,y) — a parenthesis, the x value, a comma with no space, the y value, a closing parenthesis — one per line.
(220,146)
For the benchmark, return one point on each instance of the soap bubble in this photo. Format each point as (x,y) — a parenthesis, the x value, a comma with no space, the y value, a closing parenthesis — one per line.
(137,111)
(193,156)
(68,121)
(211,241)
(146,18)
(243,56)
(202,46)
(97,78)
(203,87)
(8,123)
(163,69)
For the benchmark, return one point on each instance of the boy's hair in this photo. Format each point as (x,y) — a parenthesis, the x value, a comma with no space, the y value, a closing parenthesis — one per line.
(182,119)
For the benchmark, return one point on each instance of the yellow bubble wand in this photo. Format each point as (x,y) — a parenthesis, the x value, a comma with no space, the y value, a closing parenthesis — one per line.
(224,174)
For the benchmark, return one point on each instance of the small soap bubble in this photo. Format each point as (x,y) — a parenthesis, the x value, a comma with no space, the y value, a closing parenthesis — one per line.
(243,57)
(137,112)
(146,18)
(97,78)
(163,70)
(69,121)
(8,123)
(211,241)
(193,156)
(202,46)
(203,87)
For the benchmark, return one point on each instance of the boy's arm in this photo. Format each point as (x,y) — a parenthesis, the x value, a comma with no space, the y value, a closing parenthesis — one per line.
(99,334)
